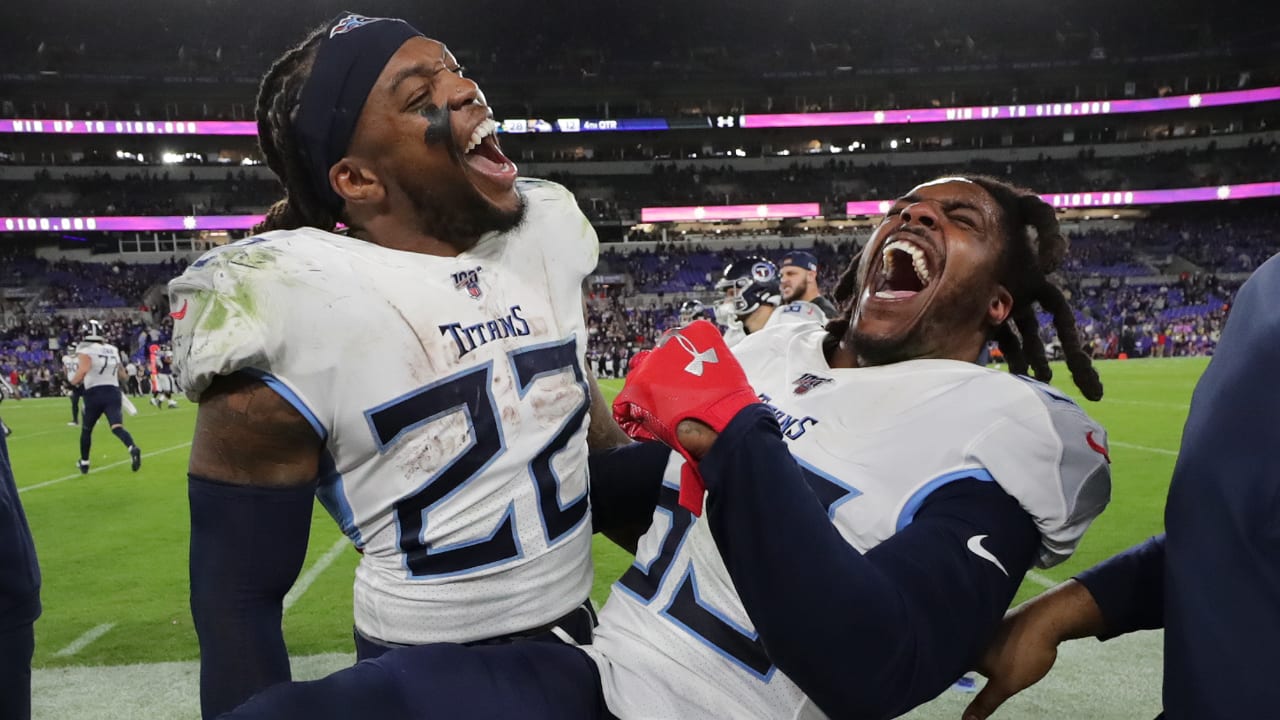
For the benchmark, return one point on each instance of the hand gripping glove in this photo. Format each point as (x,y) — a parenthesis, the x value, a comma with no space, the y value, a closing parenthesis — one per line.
(631,426)
(691,375)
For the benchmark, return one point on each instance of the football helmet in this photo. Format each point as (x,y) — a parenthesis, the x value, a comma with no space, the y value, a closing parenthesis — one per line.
(691,310)
(92,332)
(749,283)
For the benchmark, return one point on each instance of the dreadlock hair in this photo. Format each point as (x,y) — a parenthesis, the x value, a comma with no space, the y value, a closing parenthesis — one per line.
(279,96)
(1034,249)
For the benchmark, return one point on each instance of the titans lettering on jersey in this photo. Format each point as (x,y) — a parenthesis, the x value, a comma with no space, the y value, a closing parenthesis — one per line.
(470,337)
(675,640)
(452,403)
(793,428)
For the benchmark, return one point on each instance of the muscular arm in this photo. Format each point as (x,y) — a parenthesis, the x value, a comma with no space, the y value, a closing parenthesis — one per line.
(625,476)
(246,434)
(603,433)
(254,460)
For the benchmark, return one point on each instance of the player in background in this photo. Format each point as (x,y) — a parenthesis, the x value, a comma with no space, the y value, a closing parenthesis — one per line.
(100,374)
(873,500)
(6,391)
(162,388)
(798,280)
(131,372)
(753,300)
(691,310)
(422,374)
(71,363)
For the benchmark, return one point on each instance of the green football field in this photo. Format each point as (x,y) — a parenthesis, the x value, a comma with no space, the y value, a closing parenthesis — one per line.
(113,544)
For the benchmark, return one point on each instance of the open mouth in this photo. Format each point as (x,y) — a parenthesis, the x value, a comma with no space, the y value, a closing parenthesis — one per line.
(904,271)
(484,156)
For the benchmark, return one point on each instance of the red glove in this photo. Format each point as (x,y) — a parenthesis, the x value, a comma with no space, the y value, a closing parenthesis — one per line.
(630,425)
(691,375)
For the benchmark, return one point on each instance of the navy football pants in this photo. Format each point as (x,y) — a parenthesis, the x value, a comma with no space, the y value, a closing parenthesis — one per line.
(530,680)
(102,400)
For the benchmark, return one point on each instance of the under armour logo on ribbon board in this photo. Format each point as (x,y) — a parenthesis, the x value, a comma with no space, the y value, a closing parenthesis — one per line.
(695,365)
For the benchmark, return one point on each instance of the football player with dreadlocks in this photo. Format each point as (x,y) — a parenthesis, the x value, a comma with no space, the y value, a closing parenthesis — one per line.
(421,373)
(873,500)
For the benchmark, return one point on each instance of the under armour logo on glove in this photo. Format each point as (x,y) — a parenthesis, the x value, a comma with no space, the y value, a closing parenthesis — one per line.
(706,356)
(659,394)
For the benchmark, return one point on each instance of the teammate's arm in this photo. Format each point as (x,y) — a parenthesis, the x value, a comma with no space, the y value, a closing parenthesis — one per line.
(603,432)
(252,474)
(86,363)
(626,477)
(626,483)
(1120,595)
(872,635)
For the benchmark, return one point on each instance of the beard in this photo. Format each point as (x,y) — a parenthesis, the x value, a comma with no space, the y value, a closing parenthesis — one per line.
(462,219)
(797,291)
(457,214)
(948,313)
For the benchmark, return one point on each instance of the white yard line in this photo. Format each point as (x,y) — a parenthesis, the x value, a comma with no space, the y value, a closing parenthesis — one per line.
(76,428)
(304,582)
(1040,579)
(1143,448)
(83,641)
(93,470)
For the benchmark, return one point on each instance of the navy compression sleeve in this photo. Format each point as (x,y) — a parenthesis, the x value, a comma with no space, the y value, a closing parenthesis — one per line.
(625,484)
(867,636)
(1129,588)
(247,546)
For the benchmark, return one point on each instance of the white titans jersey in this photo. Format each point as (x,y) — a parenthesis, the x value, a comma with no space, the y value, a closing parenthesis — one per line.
(70,365)
(796,312)
(791,313)
(734,334)
(105,359)
(451,398)
(674,640)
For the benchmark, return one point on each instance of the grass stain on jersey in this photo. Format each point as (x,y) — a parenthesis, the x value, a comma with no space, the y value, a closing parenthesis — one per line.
(219,308)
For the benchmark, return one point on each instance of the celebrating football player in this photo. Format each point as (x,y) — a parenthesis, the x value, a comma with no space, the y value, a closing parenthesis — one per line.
(873,499)
(421,374)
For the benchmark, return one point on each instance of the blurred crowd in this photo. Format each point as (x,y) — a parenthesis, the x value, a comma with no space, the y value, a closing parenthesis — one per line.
(1129,298)
(32,346)
(619,197)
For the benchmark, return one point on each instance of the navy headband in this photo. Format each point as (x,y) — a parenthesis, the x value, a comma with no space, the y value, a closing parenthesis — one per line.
(347,65)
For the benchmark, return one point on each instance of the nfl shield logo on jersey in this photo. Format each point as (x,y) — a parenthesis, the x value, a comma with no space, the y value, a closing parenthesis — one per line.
(468,280)
(809,381)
